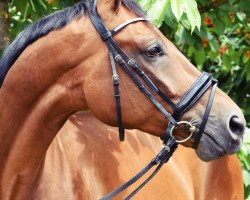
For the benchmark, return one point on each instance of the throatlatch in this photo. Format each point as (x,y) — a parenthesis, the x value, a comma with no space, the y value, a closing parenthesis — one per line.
(196,91)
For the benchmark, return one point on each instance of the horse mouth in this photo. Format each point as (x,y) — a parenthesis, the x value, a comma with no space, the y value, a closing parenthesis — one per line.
(216,143)
(212,147)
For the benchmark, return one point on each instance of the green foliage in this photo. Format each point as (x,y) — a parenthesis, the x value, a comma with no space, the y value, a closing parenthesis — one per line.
(185,12)
(215,35)
(25,12)
(244,156)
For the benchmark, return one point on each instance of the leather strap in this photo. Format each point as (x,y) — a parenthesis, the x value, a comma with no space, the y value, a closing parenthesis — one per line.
(161,158)
(206,114)
(195,92)
(165,137)
(144,90)
(115,79)
(143,75)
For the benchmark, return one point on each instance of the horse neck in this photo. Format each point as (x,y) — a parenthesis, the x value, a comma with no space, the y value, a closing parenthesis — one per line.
(40,92)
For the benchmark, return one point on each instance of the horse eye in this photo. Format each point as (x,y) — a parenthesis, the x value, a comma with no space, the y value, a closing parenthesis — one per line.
(154,51)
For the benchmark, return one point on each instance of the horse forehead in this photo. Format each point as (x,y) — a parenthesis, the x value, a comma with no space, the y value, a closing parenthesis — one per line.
(139,35)
(138,41)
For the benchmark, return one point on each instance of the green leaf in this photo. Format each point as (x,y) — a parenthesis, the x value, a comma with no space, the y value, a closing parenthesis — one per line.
(246,177)
(190,51)
(42,4)
(193,14)
(146,4)
(32,5)
(241,15)
(162,6)
(248,76)
(232,1)
(25,15)
(219,26)
(183,36)
(170,19)
(226,61)
(185,21)
(235,55)
(177,7)
(20,5)
(247,136)
(202,2)
(214,45)
(199,57)
(212,55)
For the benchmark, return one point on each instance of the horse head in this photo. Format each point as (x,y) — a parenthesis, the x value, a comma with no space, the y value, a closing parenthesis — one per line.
(170,70)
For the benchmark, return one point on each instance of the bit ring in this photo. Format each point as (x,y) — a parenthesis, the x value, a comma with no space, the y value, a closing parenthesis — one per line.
(192,129)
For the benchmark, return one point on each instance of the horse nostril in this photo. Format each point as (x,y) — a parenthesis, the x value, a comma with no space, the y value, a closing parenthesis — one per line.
(237,125)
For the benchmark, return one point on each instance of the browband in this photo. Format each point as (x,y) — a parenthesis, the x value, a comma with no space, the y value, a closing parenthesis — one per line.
(123,25)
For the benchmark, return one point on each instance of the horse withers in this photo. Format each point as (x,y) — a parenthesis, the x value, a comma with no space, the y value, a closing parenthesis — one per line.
(61,65)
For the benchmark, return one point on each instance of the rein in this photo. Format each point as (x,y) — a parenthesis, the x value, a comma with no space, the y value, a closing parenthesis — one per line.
(195,92)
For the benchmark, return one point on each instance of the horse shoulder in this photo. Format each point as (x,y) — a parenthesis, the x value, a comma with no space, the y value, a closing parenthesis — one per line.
(224,179)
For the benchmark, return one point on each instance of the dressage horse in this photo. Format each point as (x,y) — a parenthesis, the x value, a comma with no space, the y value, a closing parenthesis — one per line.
(63,64)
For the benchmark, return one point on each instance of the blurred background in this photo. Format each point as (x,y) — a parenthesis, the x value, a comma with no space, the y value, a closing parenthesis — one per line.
(213,34)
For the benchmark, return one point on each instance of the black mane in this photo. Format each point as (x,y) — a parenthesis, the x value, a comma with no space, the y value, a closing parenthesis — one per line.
(44,26)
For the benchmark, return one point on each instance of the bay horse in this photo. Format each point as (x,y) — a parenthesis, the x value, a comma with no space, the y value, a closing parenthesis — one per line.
(54,69)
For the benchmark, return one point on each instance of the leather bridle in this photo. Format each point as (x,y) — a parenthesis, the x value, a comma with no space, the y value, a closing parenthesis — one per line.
(195,92)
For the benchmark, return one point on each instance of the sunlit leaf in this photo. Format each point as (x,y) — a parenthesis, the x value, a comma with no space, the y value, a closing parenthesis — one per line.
(161,6)
(241,15)
(177,8)
(146,4)
(246,176)
(193,14)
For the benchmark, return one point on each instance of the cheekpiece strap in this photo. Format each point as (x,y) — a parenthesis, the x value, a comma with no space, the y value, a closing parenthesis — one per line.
(167,135)
(115,78)
(206,114)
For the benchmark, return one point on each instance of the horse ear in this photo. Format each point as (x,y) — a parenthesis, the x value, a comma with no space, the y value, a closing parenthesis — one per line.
(104,6)
(117,5)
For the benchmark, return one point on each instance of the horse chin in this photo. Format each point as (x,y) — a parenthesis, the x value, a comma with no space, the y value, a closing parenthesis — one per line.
(212,147)
(208,153)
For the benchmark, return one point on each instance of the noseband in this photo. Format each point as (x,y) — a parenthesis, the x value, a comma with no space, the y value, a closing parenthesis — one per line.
(195,92)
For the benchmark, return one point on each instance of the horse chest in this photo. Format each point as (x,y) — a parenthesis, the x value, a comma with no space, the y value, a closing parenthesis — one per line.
(75,168)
